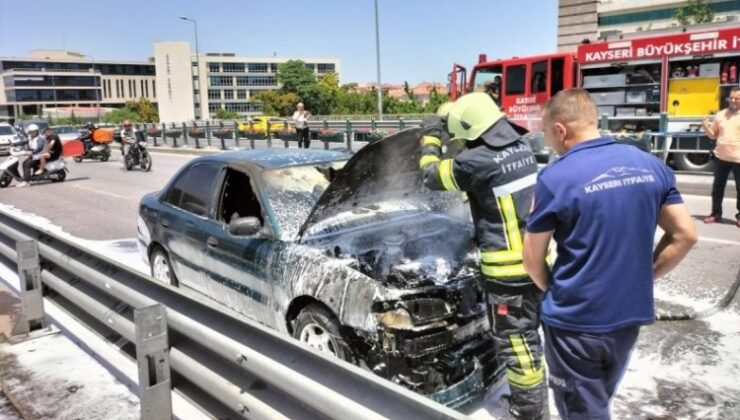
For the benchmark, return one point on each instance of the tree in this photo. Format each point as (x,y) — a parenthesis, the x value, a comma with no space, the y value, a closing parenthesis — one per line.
(696,11)
(293,74)
(119,115)
(276,103)
(136,111)
(409,92)
(223,114)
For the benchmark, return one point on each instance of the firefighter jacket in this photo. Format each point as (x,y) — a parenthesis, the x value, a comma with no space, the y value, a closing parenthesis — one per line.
(498,172)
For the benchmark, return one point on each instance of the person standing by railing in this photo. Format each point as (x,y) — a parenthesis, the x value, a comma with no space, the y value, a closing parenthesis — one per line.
(300,119)
(725,128)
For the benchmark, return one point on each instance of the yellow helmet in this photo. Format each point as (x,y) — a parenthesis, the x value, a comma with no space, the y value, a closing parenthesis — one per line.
(444,109)
(472,115)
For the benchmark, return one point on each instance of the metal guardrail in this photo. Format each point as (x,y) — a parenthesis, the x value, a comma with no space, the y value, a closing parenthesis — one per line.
(252,371)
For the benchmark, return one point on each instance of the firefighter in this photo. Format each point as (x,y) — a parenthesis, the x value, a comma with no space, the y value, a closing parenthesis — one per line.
(498,171)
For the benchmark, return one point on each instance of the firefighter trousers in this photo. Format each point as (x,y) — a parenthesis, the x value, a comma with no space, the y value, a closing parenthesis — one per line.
(515,317)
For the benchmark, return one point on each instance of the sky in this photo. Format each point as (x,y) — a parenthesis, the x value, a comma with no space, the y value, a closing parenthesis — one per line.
(419,39)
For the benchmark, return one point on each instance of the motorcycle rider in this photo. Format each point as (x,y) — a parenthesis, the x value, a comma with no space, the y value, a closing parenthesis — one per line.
(52,152)
(498,171)
(87,140)
(128,136)
(36,146)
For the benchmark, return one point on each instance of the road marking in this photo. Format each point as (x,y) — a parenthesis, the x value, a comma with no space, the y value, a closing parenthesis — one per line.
(719,241)
(99,191)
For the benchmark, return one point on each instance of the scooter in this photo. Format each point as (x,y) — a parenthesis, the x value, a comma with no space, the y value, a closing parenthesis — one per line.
(138,155)
(95,151)
(56,170)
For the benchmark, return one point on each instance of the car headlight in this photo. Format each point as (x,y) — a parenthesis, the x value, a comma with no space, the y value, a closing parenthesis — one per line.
(399,319)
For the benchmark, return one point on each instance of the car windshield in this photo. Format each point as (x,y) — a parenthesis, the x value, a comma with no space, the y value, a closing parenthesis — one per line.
(293,191)
(6,130)
(66,129)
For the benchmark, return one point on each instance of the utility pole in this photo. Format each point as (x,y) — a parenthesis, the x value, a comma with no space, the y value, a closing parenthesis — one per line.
(377,56)
(197,65)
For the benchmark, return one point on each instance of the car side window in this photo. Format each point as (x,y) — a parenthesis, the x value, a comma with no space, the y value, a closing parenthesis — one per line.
(192,192)
(238,199)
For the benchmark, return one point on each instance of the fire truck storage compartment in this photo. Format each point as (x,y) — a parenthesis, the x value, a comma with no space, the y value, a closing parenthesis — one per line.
(614,97)
(604,81)
(625,111)
(695,96)
(605,109)
(636,96)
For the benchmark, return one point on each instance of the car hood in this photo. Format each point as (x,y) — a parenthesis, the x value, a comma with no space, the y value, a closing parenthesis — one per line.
(386,170)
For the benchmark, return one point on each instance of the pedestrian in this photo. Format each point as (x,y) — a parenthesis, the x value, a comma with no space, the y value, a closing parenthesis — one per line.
(725,128)
(300,119)
(601,201)
(497,170)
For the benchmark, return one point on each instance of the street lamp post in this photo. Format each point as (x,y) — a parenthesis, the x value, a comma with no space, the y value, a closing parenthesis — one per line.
(377,55)
(197,65)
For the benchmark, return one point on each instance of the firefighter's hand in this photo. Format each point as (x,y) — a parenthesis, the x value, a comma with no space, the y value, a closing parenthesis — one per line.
(434,127)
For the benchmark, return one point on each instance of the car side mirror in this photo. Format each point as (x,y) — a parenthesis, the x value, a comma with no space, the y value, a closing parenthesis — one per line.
(245,226)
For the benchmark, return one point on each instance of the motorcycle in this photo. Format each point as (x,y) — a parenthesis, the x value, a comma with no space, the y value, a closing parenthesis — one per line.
(93,150)
(56,170)
(137,155)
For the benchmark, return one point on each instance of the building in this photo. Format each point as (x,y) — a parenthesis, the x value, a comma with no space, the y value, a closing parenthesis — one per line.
(48,80)
(217,81)
(579,20)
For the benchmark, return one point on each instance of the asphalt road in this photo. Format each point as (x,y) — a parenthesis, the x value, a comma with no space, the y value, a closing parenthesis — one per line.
(689,365)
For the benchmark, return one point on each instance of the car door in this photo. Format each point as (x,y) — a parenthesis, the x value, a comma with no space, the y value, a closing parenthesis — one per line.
(184,226)
(237,266)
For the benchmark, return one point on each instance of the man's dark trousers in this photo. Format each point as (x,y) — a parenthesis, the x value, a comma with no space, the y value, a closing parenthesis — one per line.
(722,171)
(585,369)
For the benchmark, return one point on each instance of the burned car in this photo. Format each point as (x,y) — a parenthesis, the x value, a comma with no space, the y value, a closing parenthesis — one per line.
(353,256)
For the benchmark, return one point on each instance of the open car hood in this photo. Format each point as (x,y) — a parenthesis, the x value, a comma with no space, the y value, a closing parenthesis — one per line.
(384,171)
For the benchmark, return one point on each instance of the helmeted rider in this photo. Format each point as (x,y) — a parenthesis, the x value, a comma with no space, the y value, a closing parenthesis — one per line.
(36,146)
(128,136)
(497,170)
(87,140)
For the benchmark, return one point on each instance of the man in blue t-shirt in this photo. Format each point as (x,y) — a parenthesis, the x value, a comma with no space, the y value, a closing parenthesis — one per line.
(601,203)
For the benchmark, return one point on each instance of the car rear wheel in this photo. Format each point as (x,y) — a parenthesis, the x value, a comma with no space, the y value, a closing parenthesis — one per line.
(320,329)
(161,267)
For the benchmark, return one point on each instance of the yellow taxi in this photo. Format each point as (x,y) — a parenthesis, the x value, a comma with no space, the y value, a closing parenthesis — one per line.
(259,124)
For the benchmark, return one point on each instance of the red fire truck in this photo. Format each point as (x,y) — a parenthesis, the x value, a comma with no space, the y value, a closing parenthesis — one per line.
(661,84)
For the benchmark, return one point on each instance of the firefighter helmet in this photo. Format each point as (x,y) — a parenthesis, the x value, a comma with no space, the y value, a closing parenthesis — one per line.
(444,109)
(472,115)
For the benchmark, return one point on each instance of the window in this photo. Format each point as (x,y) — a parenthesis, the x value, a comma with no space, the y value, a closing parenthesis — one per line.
(238,199)
(556,78)
(310,66)
(214,106)
(214,94)
(325,67)
(539,77)
(229,94)
(274,67)
(485,77)
(233,67)
(241,94)
(222,80)
(256,80)
(257,67)
(515,76)
(214,67)
(193,190)
(244,107)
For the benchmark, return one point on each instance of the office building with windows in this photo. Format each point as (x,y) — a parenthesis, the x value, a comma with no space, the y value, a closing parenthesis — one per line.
(611,19)
(51,79)
(217,81)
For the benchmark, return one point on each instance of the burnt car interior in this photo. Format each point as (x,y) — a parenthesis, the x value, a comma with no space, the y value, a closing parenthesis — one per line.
(238,199)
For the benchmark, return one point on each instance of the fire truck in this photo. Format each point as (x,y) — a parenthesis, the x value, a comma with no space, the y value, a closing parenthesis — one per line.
(659,87)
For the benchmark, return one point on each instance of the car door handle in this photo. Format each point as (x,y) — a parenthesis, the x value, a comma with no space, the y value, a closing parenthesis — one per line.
(212,243)
(165,224)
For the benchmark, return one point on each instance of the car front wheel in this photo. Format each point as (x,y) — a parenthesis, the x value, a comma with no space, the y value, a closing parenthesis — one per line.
(320,329)
(161,267)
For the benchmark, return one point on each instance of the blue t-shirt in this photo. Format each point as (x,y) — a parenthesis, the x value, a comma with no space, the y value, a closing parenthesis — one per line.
(602,200)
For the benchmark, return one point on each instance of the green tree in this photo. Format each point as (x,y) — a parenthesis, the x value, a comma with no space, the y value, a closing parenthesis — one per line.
(293,74)
(276,103)
(136,111)
(223,114)
(695,11)
(119,115)
(409,92)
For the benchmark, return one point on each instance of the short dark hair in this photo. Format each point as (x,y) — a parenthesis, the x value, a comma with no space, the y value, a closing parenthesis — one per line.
(571,107)
(735,89)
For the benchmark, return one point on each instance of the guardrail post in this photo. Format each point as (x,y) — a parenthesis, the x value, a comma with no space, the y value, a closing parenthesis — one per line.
(208,133)
(174,137)
(349,134)
(401,124)
(164,134)
(269,134)
(197,140)
(221,135)
(153,359)
(154,126)
(604,122)
(373,124)
(184,134)
(236,134)
(251,130)
(31,317)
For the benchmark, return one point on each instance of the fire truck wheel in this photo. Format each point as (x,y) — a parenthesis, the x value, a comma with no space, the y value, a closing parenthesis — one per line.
(694,162)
